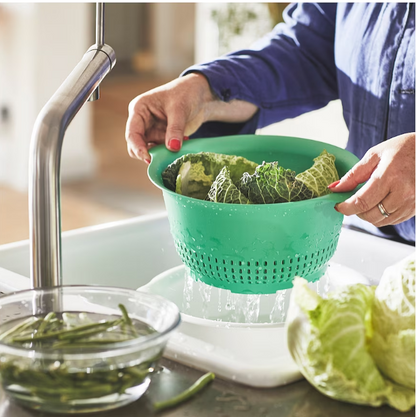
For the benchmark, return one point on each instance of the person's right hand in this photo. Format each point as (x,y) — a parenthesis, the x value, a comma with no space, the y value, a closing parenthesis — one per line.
(167,114)
(175,110)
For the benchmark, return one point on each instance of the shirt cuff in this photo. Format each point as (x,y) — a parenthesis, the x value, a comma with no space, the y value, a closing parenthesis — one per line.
(222,82)
(226,89)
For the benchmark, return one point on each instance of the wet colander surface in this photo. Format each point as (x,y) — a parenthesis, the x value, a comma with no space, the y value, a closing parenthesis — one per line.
(256,248)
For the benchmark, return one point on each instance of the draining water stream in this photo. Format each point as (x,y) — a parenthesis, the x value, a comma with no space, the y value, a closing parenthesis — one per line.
(208,302)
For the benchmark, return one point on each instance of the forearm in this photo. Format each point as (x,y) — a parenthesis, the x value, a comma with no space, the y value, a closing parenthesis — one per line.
(216,110)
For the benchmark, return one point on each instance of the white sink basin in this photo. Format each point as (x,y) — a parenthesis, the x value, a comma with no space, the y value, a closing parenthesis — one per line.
(130,253)
(127,254)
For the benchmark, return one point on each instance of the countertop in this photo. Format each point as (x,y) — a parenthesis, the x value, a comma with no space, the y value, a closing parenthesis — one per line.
(224,399)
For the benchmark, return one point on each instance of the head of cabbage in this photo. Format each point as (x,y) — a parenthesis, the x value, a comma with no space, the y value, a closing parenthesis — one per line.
(358,345)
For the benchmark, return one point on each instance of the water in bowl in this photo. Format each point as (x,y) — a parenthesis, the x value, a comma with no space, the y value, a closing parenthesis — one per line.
(61,383)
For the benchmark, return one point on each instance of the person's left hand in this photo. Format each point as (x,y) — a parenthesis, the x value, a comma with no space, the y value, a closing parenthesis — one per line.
(389,169)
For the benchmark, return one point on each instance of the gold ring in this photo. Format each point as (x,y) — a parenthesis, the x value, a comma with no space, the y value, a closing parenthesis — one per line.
(383,210)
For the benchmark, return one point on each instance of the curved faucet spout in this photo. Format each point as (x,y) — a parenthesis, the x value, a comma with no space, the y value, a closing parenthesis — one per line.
(45,159)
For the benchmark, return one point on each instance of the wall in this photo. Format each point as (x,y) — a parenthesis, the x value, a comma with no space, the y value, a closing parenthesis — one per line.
(40,44)
(172,37)
(326,125)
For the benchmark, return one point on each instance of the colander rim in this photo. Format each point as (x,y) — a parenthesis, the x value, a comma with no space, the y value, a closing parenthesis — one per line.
(329,198)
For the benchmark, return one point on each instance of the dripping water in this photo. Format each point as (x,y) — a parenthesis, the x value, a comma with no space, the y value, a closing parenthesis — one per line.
(208,302)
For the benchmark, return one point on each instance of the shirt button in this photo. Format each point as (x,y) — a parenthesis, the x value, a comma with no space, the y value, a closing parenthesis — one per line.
(226,94)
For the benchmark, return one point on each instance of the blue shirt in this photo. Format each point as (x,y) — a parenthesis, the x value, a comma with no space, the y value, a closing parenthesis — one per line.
(361,53)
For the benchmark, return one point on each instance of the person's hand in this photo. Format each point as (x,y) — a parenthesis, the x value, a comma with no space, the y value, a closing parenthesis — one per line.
(389,169)
(170,113)
(166,114)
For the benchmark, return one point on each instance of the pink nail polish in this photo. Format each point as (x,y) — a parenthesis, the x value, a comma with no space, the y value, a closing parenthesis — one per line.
(186,138)
(147,161)
(175,144)
(334,184)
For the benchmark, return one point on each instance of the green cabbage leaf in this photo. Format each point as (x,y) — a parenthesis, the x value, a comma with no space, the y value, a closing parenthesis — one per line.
(322,173)
(271,183)
(193,174)
(192,180)
(393,342)
(223,190)
(201,176)
(330,340)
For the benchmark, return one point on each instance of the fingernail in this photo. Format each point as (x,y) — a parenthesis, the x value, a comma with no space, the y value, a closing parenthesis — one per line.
(175,144)
(334,184)
(186,138)
(147,161)
(336,208)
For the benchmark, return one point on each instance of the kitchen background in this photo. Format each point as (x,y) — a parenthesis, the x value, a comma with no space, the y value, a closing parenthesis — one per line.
(40,44)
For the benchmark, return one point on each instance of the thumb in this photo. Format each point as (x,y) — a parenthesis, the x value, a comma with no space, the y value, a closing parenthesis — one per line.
(359,173)
(175,131)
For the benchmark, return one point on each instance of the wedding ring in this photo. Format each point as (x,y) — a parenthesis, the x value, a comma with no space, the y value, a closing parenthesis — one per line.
(383,210)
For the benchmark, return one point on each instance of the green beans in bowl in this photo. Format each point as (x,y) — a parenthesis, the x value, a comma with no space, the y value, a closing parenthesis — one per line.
(76,349)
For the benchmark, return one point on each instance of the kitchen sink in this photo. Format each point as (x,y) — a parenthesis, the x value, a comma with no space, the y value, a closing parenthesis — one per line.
(130,253)
(126,253)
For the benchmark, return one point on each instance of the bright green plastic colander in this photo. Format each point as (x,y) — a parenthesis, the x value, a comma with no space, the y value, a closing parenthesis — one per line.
(256,248)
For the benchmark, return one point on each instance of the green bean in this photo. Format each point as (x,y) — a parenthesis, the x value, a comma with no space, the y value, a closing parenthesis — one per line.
(45,323)
(127,319)
(20,327)
(69,386)
(187,394)
(125,314)
(80,334)
(63,334)
(53,381)
(89,343)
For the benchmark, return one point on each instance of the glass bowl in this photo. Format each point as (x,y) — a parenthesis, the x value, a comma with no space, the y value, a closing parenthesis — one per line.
(73,374)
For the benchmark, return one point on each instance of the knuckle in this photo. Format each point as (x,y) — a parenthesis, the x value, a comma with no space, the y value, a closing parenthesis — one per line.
(133,104)
(370,157)
(361,204)
(129,136)
(350,176)
(176,128)
(137,104)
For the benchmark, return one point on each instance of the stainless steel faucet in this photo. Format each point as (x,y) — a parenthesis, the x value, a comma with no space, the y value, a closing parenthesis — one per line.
(45,156)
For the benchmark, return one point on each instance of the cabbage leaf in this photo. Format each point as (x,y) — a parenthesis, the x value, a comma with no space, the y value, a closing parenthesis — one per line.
(329,341)
(322,173)
(393,342)
(193,174)
(193,181)
(223,190)
(271,183)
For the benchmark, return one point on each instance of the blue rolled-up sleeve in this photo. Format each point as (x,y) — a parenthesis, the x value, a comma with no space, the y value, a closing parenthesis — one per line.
(287,73)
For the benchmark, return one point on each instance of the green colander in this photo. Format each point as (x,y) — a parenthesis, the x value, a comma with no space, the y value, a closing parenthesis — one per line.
(257,248)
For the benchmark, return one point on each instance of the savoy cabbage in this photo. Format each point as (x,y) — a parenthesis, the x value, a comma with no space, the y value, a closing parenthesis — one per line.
(320,175)
(272,183)
(358,345)
(193,174)
(393,342)
(223,190)
(234,179)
